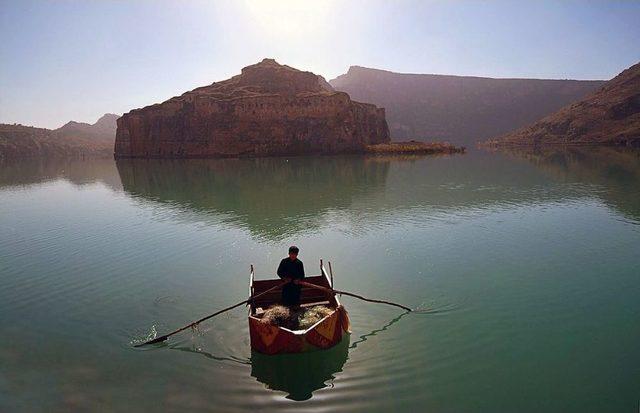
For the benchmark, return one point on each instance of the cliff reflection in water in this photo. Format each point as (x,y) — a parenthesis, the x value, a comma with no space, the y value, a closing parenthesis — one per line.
(272,197)
(615,172)
(275,198)
(27,172)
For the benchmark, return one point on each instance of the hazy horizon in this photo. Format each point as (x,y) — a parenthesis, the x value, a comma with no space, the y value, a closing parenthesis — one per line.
(76,61)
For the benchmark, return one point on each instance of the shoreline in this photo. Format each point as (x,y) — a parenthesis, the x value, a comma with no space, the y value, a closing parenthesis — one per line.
(392,148)
(414,148)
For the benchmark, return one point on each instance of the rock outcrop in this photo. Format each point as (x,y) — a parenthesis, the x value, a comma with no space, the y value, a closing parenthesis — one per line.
(269,109)
(461,110)
(610,116)
(73,140)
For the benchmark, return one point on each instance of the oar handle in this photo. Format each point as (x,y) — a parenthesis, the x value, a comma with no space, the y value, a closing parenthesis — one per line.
(303,283)
(331,290)
(166,336)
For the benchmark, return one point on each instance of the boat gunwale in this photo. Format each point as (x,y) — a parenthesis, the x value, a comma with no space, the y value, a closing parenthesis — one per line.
(324,275)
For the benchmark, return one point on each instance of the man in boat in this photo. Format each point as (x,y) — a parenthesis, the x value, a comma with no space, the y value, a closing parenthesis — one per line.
(291,269)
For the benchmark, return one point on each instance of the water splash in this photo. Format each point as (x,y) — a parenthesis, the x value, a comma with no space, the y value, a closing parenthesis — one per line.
(153,333)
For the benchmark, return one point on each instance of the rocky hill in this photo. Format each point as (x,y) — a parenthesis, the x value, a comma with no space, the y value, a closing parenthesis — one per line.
(268,109)
(74,139)
(103,130)
(458,109)
(611,116)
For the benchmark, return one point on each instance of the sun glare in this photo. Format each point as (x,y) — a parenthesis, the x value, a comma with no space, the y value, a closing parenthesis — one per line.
(289,17)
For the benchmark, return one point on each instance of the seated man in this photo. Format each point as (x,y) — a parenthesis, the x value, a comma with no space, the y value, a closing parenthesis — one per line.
(291,269)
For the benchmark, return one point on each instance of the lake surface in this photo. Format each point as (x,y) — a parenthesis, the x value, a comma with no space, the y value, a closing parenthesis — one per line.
(528,265)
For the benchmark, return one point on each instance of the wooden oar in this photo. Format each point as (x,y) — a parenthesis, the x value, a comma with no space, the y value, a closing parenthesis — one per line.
(163,338)
(330,290)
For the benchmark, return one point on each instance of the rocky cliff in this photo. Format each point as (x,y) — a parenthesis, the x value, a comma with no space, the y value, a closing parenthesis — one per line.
(458,109)
(611,116)
(269,109)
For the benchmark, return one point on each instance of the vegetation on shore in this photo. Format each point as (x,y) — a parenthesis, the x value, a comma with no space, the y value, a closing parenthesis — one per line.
(414,147)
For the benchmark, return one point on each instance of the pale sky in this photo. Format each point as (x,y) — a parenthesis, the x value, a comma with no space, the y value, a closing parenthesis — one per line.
(76,60)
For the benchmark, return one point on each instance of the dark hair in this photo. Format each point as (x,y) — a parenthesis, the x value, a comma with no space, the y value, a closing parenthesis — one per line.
(293,249)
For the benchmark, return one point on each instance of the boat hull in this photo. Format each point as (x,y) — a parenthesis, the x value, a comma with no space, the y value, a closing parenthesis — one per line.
(270,339)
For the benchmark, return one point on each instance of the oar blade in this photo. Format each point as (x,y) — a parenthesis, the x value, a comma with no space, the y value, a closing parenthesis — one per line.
(154,341)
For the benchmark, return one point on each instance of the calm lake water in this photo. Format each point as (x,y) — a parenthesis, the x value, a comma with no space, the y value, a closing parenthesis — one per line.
(529,264)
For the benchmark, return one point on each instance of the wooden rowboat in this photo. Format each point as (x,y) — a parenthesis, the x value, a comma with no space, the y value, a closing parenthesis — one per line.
(326,333)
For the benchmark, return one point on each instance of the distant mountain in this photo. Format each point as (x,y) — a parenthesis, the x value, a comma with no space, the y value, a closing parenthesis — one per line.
(459,109)
(611,116)
(74,139)
(103,129)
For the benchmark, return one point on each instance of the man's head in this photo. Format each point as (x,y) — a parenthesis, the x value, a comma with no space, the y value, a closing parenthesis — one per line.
(293,252)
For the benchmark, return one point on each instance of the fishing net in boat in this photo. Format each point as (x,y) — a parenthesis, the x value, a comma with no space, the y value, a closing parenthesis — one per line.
(310,316)
(295,319)
(279,315)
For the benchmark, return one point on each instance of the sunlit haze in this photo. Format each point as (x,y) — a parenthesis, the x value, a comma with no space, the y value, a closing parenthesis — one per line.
(77,60)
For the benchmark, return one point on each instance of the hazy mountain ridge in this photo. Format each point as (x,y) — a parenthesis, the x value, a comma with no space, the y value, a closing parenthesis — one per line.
(458,109)
(462,110)
(610,116)
(103,129)
(74,139)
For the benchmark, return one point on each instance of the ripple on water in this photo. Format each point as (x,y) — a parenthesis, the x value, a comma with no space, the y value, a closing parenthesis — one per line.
(514,264)
(370,360)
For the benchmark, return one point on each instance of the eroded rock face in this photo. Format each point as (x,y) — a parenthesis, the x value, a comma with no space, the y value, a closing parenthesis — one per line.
(269,109)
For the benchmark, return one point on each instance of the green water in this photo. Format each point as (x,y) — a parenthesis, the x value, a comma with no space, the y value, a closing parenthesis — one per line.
(529,265)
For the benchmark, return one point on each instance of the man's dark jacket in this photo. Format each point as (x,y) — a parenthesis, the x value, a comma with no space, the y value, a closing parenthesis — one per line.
(295,270)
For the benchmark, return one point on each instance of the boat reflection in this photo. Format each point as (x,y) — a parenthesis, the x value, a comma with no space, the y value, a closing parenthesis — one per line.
(300,374)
